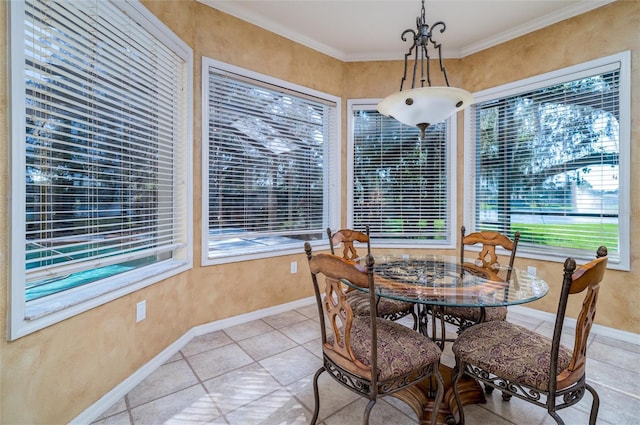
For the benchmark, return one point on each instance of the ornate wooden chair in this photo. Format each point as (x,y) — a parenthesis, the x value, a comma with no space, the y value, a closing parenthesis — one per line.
(369,355)
(528,365)
(387,308)
(463,317)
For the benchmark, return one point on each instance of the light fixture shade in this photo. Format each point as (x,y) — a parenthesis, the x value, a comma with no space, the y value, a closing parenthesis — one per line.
(424,106)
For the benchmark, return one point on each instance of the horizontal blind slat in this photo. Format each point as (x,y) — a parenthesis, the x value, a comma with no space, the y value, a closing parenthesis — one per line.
(267,151)
(103,100)
(536,153)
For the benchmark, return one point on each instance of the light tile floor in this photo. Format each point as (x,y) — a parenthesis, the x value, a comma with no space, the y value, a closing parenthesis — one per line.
(261,372)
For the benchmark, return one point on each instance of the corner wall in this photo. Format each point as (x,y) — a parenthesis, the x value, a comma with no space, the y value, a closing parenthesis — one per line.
(53,375)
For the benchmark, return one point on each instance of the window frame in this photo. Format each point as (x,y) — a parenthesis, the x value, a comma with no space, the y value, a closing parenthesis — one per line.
(25,317)
(332,176)
(546,80)
(451,143)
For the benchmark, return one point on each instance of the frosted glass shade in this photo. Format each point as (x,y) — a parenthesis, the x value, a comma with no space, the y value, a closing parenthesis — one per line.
(424,106)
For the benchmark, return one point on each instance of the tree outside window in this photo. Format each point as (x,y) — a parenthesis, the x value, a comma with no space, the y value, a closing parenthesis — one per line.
(548,164)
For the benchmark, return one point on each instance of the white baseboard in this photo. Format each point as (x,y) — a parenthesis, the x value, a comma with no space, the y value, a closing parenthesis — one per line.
(109,399)
(254,315)
(625,336)
(94,411)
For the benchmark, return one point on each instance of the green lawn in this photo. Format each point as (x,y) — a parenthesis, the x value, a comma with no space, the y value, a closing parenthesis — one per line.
(587,236)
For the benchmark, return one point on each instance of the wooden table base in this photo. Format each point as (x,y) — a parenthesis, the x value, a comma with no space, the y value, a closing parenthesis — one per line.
(419,397)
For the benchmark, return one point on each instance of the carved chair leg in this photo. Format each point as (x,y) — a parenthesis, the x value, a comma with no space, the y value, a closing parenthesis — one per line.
(456,374)
(434,333)
(316,396)
(437,313)
(595,404)
(506,397)
(556,417)
(439,394)
(367,411)
(415,318)
(443,330)
(424,316)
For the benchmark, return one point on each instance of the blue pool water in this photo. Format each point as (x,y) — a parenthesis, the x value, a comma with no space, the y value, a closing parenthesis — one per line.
(46,287)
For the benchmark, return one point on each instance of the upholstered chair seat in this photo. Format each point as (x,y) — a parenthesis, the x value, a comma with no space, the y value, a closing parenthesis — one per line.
(387,307)
(401,350)
(533,367)
(473,313)
(524,360)
(371,356)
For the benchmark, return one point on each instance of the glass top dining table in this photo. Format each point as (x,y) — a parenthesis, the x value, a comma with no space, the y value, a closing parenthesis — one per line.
(448,281)
(435,281)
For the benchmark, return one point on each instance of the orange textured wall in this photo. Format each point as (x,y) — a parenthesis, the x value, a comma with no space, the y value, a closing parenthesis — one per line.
(567,43)
(53,375)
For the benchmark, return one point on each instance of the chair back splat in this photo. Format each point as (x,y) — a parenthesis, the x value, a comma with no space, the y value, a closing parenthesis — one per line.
(338,311)
(531,366)
(366,354)
(347,237)
(387,308)
(487,257)
(464,317)
(587,277)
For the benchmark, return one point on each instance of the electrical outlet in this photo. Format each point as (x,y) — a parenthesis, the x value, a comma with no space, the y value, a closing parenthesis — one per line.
(294,267)
(141,311)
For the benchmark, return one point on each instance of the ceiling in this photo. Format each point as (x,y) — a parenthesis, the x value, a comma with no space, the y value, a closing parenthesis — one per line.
(364,30)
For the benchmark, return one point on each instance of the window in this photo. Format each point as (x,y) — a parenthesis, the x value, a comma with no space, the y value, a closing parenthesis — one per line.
(271,175)
(550,158)
(101,151)
(399,185)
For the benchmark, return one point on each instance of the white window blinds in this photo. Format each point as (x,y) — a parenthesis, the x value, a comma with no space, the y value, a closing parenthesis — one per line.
(547,164)
(268,162)
(401,184)
(104,134)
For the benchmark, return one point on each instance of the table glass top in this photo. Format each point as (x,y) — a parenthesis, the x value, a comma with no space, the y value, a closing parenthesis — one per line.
(442,280)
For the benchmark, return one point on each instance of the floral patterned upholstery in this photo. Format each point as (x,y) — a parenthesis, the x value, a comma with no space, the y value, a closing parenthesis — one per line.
(524,360)
(473,313)
(371,360)
(401,350)
(359,302)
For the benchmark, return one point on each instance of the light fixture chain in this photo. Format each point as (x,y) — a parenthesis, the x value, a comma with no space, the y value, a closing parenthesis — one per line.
(423,106)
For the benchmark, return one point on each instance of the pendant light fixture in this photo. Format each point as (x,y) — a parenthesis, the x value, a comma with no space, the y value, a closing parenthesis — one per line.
(423,105)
